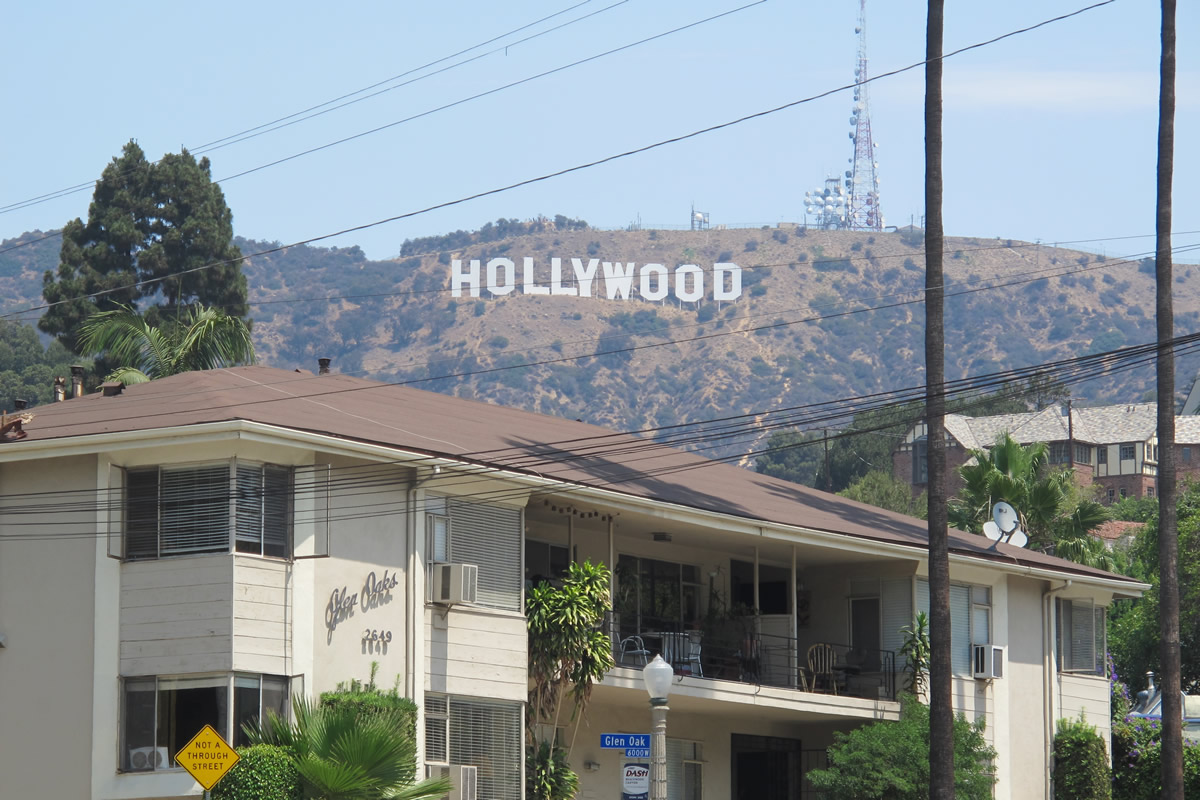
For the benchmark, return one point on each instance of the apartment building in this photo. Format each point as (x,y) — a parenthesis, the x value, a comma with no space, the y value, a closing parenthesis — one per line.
(202,548)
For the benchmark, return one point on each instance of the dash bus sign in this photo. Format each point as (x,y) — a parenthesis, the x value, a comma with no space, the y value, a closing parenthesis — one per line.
(613,280)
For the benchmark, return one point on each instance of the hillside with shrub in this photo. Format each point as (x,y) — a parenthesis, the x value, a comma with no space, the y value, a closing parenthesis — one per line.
(823,314)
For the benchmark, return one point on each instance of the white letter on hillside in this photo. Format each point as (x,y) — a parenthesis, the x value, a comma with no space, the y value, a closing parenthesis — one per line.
(458,278)
(583,278)
(556,286)
(659,292)
(510,275)
(531,286)
(735,281)
(681,281)
(618,279)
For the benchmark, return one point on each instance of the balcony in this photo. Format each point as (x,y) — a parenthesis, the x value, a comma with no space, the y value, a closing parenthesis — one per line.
(739,650)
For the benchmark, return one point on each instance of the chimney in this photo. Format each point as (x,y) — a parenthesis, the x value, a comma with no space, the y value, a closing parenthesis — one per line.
(60,388)
(76,380)
(20,405)
(323,366)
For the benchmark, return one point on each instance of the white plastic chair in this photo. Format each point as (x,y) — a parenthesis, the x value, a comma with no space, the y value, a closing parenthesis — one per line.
(693,654)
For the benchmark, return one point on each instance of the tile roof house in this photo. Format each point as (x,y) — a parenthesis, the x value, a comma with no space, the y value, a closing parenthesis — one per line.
(1112,447)
(200,548)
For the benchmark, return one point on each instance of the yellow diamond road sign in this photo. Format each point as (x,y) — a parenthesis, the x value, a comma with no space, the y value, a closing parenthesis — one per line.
(207,757)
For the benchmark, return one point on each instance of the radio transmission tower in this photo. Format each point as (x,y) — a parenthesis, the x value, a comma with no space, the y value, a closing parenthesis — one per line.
(862,183)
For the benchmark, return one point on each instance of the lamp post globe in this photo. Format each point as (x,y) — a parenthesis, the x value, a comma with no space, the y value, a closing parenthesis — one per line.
(658,676)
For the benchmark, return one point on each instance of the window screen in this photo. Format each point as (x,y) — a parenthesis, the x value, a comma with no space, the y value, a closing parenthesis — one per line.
(490,537)
(1080,637)
(488,735)
(188,510)
(961,634)
(437,721)
(684,770)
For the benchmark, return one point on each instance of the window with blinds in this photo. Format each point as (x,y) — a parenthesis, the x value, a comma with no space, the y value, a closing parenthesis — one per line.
(489,537)
(208,508)
(685,775)
(967,620)
(485,734)
(1080,632)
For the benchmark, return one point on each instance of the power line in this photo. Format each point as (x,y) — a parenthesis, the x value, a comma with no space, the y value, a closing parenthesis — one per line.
(245,134)
(549,453)
(595,163)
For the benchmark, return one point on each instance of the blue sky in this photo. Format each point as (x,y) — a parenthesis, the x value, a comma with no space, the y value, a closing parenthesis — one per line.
(1049,135)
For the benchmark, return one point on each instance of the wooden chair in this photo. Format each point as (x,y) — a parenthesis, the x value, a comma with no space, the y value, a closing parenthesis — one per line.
(820,665)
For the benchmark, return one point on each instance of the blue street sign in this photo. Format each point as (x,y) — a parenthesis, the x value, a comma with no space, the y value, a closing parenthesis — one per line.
(625,741)
(637,752)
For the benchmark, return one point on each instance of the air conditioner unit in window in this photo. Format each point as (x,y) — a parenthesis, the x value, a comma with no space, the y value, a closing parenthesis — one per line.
(464,779)
(141,758)
(988,661)
(455,583)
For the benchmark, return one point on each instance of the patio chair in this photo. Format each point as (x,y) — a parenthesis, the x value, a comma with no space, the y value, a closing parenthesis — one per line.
(634,646)
(820,665)
(693,653)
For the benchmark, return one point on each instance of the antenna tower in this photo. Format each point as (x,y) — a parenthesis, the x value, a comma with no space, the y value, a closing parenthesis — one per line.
(862,183)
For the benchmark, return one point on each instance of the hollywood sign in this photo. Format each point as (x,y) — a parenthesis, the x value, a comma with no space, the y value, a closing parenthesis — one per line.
(687,282)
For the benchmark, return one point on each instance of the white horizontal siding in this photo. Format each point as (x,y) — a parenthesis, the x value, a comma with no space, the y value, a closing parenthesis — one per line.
(176,615)
(261,629)
(1088,695)
(476,653)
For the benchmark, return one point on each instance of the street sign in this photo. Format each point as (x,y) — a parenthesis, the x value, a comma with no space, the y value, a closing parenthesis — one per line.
(207,757)
(624,741)
(637,752)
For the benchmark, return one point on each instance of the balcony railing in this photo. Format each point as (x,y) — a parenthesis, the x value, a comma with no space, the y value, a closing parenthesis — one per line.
(739,652)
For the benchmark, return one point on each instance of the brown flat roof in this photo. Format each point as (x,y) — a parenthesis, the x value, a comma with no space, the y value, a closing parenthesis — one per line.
(414,420)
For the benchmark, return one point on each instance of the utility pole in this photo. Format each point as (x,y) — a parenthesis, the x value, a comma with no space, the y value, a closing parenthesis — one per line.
(828,476)
(941,708)
(1168,530)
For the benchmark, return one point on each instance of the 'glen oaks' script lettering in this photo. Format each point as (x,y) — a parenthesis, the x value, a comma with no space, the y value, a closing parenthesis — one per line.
(687,282)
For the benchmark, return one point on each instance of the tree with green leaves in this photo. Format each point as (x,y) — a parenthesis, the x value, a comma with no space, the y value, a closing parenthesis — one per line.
(880,489)
(1134,636)
(569,651)
(793,456)
(202,338)
(1055,514)
(27,369)
(891,759)
(157,232)
(341,754)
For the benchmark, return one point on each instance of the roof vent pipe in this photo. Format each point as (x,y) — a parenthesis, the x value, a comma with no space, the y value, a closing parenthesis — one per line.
(76,380)
(20,405)
(323,366)
(60,388)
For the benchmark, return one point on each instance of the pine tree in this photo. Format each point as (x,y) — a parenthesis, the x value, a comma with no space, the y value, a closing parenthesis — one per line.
(146,222)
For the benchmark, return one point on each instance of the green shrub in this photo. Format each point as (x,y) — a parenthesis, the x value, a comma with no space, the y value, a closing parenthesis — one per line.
(1137,761)
(265,772)
(369,701)
(1080,762)
(891,759)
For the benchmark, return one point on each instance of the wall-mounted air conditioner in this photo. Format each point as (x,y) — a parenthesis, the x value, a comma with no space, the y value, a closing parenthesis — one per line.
(987,661)
(141,758)
(464,779)
(455,583)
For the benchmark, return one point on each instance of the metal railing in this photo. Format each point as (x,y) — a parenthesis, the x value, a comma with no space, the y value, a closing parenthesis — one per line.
(737,651)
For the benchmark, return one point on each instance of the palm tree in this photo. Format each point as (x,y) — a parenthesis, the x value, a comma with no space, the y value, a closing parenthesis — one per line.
(203,338)
(1053,515)
(342,754)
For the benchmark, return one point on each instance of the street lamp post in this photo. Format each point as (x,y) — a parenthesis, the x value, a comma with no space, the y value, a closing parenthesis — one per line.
(657,676)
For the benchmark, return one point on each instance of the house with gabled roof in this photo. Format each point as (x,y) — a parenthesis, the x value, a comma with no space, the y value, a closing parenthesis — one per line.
(199,549)
(1114,448)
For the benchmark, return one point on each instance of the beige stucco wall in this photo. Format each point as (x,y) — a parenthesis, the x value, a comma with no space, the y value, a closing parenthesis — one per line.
(46,591)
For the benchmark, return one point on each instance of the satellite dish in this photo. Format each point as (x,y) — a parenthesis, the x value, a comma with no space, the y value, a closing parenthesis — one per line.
(1005,517)
(1006,524)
